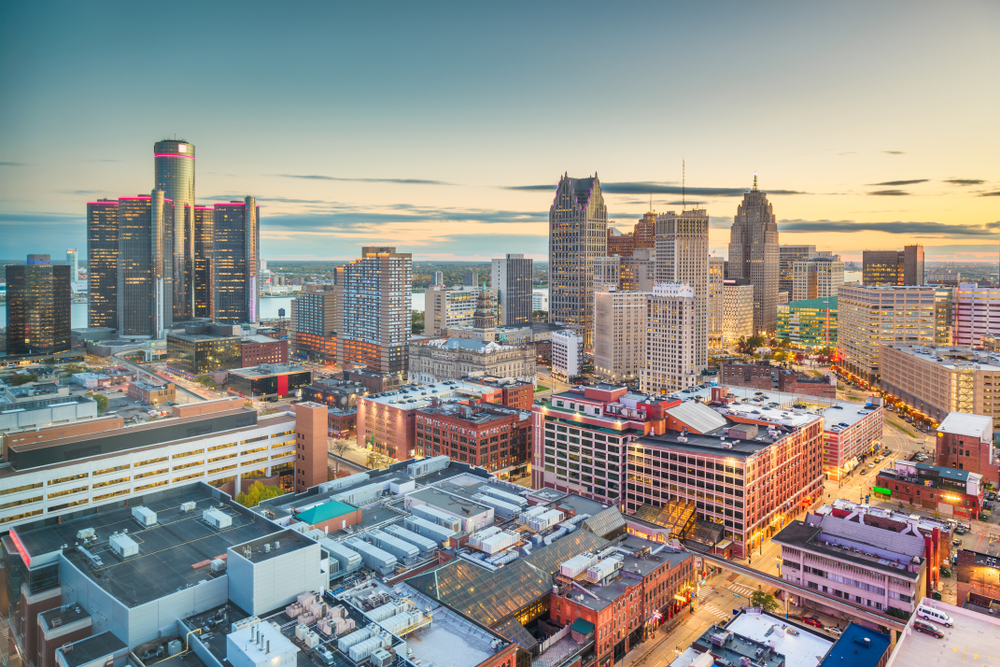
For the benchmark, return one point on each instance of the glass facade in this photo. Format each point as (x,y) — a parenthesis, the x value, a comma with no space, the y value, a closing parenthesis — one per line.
(236,261)
(102,259)
(38,307)
(196,355)
(203,243)
(809,323)
(143,284)
(174,173)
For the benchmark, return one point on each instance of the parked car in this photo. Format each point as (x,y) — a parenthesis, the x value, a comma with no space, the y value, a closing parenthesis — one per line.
(864,471)
(927,629)
(987,504)
(960,530)
(836,632)
(813,621)
(956,542)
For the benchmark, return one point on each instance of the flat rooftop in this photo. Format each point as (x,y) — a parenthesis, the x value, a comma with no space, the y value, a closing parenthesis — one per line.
(974,638)
(167,550)
(267,370)
(201,337)
(289,540)
(804,649)
(414,397)
(952,357)
(448,503)
(477,417)
(93,647)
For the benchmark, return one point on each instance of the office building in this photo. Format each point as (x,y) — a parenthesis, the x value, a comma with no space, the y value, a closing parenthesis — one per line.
(869,317)
(156,395)
(102,263)
(33,406)
(269,381)
(437,278)
(607,272)
(935,381)
(451,308)
(620,334)
(638,272)
(671,333)
(965,442)
(441,359)
(715,304)
(737,310)
(313,331)
(567,354)
(893,267)
(174,170)
(201,350)
(204,244)
(620,243)
(73,260)
(945,491)
(946,277)
(578,227)
(809,323)
(258,349)
(681,252)
(539,301)
(38,307)
(236,261)
(145,278)
(816,278)
(374,296)
(787,256)
(754,255)
(511,277)
(493,437)
(975,313)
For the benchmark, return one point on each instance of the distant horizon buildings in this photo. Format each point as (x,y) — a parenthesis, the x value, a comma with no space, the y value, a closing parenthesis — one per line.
(754,255)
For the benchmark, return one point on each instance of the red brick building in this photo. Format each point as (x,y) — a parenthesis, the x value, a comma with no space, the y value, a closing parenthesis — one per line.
(978,574)
(257,350)
(791,383)
(755,376)
(643,235)
(944,490)
(310,445)
(516,393)
(965,442)
(492,437)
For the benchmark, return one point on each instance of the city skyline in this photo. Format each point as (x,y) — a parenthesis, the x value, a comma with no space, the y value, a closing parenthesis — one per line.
(832,112)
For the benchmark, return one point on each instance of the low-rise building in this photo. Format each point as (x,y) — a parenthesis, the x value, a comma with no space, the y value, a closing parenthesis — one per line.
(440,359)
(153,394)
(258,349)
(204,349)
(268,381)
(790,382)
(493,437)
(32,406)
(374,383)
(944,490)
(978,578)
(965,442)
(516,393)
(809,323)
(757,376)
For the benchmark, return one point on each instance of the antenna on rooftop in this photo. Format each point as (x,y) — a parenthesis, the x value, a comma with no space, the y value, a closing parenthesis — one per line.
(755,181)
(684,184)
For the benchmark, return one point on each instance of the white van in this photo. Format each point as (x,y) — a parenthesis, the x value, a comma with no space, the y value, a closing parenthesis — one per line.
(936,615)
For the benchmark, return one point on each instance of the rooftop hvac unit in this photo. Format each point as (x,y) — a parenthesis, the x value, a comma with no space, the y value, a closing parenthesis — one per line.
(217,518)
(356,637)
(123,545)
(86,534)
(501,508)
(506,496)
(373,557)
(416,539)
(348,559)
(476,539)
(428,529)
(577,565)
(497,543)
(532,512)
(399,548)
(383,612)
(427,466)
(174,647)
(604,569)
(435,515)
(144,516)
(344,482)
(188,506)
(381,658)
(218,565)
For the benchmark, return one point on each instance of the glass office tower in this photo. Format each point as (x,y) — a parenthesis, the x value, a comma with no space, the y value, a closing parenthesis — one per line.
(174,167)
(236,261)
(203,240)
(102,263)
(144,225)
(38,302)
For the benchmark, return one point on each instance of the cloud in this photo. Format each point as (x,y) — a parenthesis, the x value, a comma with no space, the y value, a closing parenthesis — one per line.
(895,227)
(894,152)
(13,164)
(890,193)
(38,218)
(894,183)
(404,181)
(995,193)
(652,187)
(82,192)
(964,181)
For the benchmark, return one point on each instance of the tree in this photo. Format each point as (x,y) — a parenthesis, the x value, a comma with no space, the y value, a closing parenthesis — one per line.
(416,322)
(73,369)
(23,378)
(765,601)
(258,493)
(339,447)
(206,381)
(101,400)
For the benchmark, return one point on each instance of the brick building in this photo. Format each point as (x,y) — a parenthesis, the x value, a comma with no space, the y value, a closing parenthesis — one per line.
(374,383)
(257,350)
(755,376)
(154,394)
(791,382)
(516,393)
(492,437)
(945,490)
(978,574)
(965,442)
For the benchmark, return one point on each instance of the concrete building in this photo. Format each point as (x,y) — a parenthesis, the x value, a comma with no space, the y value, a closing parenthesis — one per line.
(578,227)
(869,317)
(102,263)
(313,331)
(682,257)
(512,277)
(935,381)
(440,359)
(607,272)
(671,364)
(38,307)
(947,491)
(809,323)
(567,354)
(490,436)
(787,256)
(268,381)
(33,406)
(236,261)
(539,301)
(620,334)
(715,304)
(148,393)
(976,313)
(893,267)
(637,272)
(816,278)
(737,310)
(451,308)
(754,255)
(966,442)
(374,299)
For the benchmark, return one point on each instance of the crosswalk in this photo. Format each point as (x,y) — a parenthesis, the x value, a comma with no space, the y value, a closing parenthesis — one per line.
(717,613)
(741,589)
(703,593)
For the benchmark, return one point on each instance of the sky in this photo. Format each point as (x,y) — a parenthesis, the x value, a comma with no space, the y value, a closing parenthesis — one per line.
(443,128)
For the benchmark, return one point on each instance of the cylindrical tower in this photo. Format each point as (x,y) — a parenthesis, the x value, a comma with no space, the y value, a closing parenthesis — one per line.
(174,167)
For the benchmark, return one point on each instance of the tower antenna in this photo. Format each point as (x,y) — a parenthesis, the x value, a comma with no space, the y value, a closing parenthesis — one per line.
(755,181)
(684,184)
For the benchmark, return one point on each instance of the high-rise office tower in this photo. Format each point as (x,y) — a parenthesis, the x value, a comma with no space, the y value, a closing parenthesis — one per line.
(73,259)
(787,256)
(204,239)
(38,307)
(236,261)
(511,277)
(670,346)
(174,174)
(607,271)
(893,267)
(681,249)
(471,278)
(817,278)
(314,322)
(913,265)
(715,303)
(374,302)
(754,255)
(102,263)
(578,232)
(737,310)
(619,333)
(143,304)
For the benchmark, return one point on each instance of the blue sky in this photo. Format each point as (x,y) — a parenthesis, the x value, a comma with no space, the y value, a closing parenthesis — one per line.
(421,124)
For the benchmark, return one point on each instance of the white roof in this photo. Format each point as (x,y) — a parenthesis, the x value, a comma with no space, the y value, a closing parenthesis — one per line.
(698,416)
(802,650)
(962,423)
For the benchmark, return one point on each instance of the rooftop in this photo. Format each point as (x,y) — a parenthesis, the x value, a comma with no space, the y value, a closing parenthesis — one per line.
(972,634)
(952,357)
(448,502)
(858,646)
(258,551)
(266,370)
(483,414)
(91,648)
(413,397)
(803,648)
(259,338)
(961,423)
(201,337)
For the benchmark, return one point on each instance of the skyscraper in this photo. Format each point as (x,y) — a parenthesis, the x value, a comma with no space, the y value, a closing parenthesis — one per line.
(143,303)
(787,256)
(38,303)
(204,239)
(236,261)
(681,248)
(817,278)
(73,259)
(578,232)
(754,255)
(715,303)
(374,303)
(619,333)
(670,346)
(102,263)
(174,175)
(511,277)
(893,267)
(314,322)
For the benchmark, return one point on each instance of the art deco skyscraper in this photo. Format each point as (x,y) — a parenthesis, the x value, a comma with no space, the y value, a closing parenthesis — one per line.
(174,175)
(681,247)
(754,255)
(511,277)
(38,302)
(204,238)
(374,302)
(144,225)
(236,261)
(578,232)
(102,263)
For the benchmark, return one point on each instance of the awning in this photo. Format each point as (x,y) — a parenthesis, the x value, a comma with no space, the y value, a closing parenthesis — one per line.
(583,626)
(724,544)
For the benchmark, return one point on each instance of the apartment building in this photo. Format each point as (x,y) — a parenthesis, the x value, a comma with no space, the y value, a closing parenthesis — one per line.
(619,334)
(737,310)
(567,354)
(493,437)
(313,331)
(816,278)
(976,313)
(966,442)
(671,333)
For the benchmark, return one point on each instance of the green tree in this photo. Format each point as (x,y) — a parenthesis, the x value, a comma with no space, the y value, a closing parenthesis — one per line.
(73,369)
(765,601)
(23,378)
(101,400)
(258,493)
(417,322)
(206,381)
